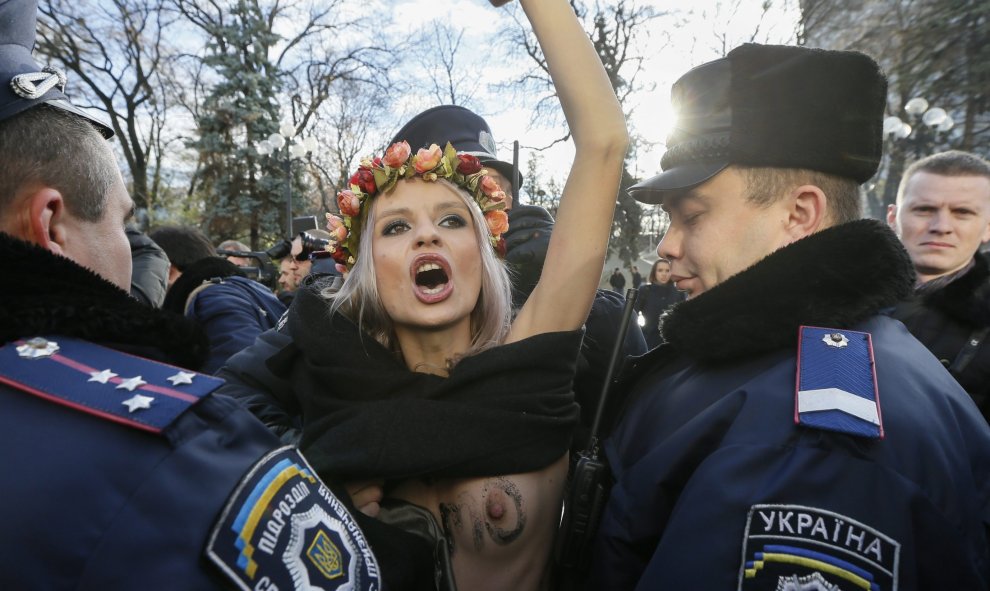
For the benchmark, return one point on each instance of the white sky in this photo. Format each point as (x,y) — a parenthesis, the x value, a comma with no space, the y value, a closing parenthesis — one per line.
(696,36)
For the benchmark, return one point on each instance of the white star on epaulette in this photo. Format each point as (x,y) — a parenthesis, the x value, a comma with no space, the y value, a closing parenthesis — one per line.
(130,383)
(182,377)
(138,402)
(101,376)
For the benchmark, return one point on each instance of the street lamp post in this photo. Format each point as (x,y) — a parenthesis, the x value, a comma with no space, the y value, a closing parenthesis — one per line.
(920,137)
(281,140)
(919,133)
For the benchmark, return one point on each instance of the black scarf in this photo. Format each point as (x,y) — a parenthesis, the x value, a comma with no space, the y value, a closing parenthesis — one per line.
(834,278)
(966,298)
(44,293)
(506,410)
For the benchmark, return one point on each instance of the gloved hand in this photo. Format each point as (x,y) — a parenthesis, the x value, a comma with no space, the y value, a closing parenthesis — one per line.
(526,245)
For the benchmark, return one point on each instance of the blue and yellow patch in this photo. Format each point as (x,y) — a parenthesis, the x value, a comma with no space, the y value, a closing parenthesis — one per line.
(283,529)
(793,548)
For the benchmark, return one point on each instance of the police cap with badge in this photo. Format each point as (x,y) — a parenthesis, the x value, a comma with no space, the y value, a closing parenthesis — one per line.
(23,83)
(773,106)
(465,130)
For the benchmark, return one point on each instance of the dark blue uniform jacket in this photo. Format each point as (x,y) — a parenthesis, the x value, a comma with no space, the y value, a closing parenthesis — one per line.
(716,487)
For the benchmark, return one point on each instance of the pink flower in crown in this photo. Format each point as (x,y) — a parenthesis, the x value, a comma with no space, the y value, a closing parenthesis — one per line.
(427,158)
(468,164)
(490,186)
(497,197)
(397,154)
(348,203)
(336,227)
(498,222)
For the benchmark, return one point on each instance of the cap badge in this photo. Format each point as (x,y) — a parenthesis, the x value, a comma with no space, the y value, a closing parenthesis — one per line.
(37,348)
(487,142)
(835,339)
(27,85)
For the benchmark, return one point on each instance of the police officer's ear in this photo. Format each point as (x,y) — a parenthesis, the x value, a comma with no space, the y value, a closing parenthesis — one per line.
(892,216)
(806,210)
(45,221)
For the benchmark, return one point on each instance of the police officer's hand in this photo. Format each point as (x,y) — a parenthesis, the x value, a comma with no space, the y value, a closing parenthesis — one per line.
(366,495)
(526,245)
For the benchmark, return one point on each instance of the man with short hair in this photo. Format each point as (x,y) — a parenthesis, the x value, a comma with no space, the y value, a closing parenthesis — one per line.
(236,246)
(942,216)
(122,471)
(788,434)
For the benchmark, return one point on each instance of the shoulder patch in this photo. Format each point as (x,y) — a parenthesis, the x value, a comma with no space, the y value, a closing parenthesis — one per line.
(103,382)
(837,382)
(283,529)
(797,548)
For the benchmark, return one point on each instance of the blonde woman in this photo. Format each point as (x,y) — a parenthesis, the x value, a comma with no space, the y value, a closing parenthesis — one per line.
(415,384)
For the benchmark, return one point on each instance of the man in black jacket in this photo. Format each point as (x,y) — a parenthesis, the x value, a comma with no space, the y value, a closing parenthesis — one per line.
(942,216)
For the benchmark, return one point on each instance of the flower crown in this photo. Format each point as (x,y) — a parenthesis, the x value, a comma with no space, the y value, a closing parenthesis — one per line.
(380,175)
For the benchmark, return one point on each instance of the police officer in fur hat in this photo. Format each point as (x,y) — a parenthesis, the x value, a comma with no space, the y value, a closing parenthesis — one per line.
(123,468)
(788,435)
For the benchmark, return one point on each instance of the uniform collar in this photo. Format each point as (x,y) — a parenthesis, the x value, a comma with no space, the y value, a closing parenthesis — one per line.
(835,278)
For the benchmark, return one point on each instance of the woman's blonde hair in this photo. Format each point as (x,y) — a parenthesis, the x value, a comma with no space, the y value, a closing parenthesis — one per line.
(491,318)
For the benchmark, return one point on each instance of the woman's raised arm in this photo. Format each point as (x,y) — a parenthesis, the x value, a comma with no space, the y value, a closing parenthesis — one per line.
(576,254)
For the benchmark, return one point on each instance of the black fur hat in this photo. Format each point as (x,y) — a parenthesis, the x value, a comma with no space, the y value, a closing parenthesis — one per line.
(464,129)
(24,84)
(774,106)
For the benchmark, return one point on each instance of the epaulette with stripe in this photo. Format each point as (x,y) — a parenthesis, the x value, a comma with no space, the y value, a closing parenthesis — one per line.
(123,388)
(837,382)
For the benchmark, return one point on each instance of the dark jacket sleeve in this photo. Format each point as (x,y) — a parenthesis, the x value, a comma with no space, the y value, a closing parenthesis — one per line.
(602,331)
(233,312)
(267,396)
(149,278)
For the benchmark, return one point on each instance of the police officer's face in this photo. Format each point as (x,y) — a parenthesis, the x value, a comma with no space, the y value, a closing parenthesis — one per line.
(942,221)
(102,246)
(503,184)
(715,232)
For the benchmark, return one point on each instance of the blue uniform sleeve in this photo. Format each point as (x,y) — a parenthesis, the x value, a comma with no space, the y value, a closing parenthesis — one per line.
(232,317)
(267,396)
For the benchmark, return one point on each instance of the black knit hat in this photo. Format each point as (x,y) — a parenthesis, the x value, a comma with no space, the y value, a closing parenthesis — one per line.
(773,106)
(464,129)
(24,84)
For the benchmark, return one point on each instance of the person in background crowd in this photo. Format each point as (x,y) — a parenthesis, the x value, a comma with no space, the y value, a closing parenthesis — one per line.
(286,278)
(237,246)
(210,289)
(303,245)
(617,280)
(942,216)
(124,469)
(149,277)
(788,434)
(637,278)
(654,298)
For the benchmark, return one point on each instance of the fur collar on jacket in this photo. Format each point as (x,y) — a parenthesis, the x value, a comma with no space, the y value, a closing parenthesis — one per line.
(834,278)
(47,294)
(967,299)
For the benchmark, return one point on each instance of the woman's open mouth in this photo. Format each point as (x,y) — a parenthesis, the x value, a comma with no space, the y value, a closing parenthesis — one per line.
(431,276)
